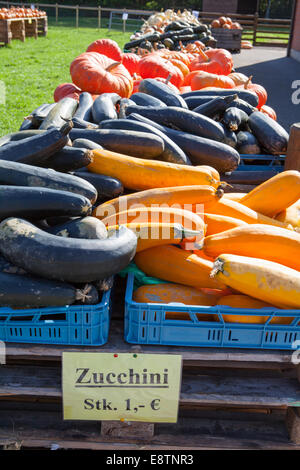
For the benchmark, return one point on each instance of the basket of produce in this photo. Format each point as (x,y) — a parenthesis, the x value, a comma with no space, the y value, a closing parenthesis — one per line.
(227,33)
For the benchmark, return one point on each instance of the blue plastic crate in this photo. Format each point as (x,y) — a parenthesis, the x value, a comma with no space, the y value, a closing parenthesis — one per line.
(81,325)
(268,162)
(148,324)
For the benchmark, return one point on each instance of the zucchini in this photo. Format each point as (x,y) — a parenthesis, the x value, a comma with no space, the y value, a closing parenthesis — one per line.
(19,135)
(143,99)
(84,110)
(83,227)
(86,144)
(104,107)
(247,143)
(269,133)
(201,151)
(69,159)
(37,203)
(230,138)
(161,91)
(184,120)
(79,123)
(19,174)
(39,114)
(136,144)
(27,291)
(65,259)
(246,95)
(172,153)
(235,119)
(107,187)
(195,101)
(38,148)
(105,284)
(63,111)
(243,105)
(90,294)
(216,107)
(7,267)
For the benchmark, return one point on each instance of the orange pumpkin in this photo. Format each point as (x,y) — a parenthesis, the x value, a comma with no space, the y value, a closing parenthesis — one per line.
(213,60)
(66,89)
(215,24)
(153,65)
(107,47)
(203,79)
(222,20)
(131,62)
(96,73)
(269,111)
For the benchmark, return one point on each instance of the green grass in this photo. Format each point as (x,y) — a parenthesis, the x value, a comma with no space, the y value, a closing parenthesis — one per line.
(263,36)
(32,70)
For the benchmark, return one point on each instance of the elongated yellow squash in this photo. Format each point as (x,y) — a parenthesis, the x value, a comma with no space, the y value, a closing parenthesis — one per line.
(188,219)
(265,280)
(291,215)
(219,223)
(139,174)
(274,195)
(184,197)
(173,264)
(260,241)
(230,208)
(234,196)
(156,234)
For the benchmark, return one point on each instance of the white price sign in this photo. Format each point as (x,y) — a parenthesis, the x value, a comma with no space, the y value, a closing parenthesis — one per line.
(125,16)
(196,13)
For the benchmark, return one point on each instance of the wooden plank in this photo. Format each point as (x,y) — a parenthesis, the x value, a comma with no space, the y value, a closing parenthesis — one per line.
(293,424)
(117,429)
(196,390)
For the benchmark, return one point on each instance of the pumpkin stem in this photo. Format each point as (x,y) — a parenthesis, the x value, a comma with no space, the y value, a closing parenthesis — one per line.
(248,82)
(112,66)
(203,55)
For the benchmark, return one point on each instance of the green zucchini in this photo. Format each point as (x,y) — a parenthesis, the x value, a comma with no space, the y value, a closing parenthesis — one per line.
(82,227)
(247,143)
(65,259)
(143,99)
(79,123)
(107,187)
(36,149)
(86,144)
(161,91)
(69,159)
(37,202)
(246,95)
(84,110)
(172,153)
(184,120)
(19,135)
(136,144)
(216,107)
(201,151)
(39,114)
(19,174)
(270,134)
(195,101)
(104,107)
(235,119)
(63,111)
(28,291)
(230,138)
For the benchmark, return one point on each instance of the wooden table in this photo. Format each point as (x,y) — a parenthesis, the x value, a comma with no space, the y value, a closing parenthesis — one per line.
(22,28)
(230,399)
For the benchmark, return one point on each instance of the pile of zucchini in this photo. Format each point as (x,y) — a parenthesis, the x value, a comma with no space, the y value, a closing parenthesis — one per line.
(174,35)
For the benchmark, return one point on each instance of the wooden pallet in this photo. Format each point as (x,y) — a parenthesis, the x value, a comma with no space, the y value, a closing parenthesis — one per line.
(22,28)
(230,399)
(229,39)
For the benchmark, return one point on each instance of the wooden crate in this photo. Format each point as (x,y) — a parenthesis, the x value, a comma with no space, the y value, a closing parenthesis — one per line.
(17,28)
(229,399)
(229,39)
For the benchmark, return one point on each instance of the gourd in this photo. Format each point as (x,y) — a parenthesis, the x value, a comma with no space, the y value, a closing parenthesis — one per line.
(260,241)
(139,174)
(265,280)
(62,258)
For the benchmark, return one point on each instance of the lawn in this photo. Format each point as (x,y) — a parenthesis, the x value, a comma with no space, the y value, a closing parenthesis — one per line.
(31,70)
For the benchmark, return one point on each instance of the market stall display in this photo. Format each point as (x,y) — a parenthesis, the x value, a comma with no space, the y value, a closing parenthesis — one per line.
(20,23)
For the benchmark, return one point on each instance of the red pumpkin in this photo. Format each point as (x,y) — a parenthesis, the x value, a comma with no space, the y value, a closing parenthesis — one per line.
(66,89)
(152,66)
(258,89)
(106,47)
(96,73)
(217,61)
(131,62)
(269,111)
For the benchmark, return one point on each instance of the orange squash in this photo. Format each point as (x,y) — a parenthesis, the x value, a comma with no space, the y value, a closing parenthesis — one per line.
(139,174)
(219,223)
(156,234)
(274,195)
(291,215)
(230,208)
(243,301)
(257,241)
(234,196)
(184,197)
(173,264)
